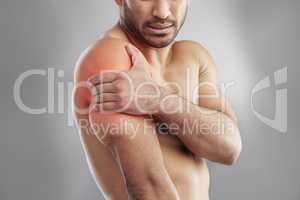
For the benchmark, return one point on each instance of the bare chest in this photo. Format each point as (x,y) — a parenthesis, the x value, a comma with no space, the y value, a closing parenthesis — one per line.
(183,76)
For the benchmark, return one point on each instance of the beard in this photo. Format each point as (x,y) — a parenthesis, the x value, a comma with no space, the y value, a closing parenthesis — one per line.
(128,22)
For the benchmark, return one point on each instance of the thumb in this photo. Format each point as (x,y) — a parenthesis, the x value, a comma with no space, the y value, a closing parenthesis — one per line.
(137,57)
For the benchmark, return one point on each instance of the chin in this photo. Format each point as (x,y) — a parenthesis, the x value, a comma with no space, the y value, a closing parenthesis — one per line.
(160,43)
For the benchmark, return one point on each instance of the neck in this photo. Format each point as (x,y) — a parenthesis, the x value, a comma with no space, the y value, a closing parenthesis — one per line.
(158,57)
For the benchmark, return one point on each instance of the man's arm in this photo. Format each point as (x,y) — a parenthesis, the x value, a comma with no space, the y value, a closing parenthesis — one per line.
(104,167)
(133,148)
(207,129)
(210,128)
(131,138)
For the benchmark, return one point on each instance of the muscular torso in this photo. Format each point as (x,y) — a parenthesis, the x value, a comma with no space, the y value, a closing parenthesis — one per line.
(189,174)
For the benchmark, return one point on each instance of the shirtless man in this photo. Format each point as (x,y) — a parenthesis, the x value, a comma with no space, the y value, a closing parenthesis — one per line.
(148,126)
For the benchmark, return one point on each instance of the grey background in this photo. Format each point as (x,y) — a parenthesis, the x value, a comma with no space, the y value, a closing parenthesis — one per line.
(41,157)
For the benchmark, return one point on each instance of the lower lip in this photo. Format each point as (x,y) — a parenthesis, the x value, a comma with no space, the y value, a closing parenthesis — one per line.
(159,31)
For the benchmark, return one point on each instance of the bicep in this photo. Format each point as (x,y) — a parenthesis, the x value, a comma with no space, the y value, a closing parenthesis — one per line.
(209,92)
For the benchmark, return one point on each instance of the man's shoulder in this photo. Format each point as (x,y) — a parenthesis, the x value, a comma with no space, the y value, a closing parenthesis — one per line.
(190,45)
(103,45)
(194,48)
(112,51)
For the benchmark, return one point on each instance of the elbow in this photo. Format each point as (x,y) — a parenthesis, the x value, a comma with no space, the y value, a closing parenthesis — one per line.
(151,187)
(233,147)
(232,153)
(225,150)
(162,187)
(147,188)
(232,158)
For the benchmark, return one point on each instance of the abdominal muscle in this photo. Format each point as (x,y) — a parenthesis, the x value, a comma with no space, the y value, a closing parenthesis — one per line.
(189,174)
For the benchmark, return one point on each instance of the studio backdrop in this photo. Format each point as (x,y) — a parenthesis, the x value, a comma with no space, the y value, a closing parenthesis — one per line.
(255,45)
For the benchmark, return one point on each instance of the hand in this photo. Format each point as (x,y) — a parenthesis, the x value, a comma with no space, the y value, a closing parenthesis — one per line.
(132,91)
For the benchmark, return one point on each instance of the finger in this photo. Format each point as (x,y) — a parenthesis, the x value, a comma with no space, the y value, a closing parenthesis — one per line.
(104,88)
(106,107)
(132,53)
(137,57)
(106,97)
(104,77)
(131,49)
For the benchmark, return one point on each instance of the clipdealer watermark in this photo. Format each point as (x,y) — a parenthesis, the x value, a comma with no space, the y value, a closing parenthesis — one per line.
(279,122)
(65,91)
(148,125)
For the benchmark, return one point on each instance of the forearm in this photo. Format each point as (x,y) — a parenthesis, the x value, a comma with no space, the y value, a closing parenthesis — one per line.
(207,133)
